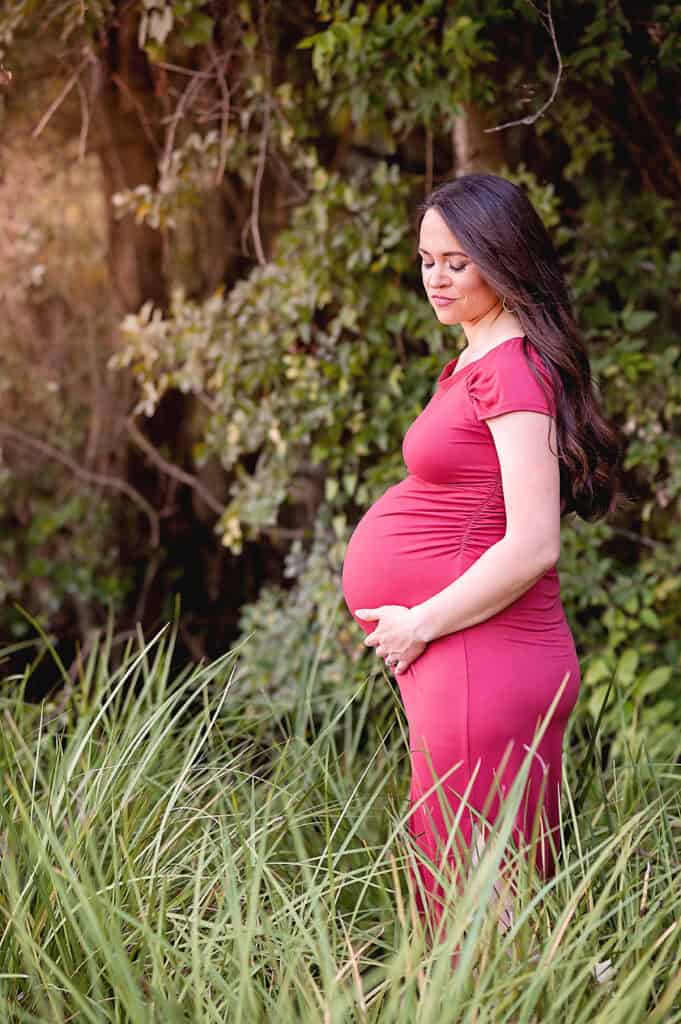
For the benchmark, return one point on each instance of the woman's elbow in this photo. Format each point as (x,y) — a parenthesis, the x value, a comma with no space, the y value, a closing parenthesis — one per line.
(553,556)
(548,554)
(536,556)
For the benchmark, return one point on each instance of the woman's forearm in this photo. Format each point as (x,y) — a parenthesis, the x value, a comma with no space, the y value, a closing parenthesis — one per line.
(497,578)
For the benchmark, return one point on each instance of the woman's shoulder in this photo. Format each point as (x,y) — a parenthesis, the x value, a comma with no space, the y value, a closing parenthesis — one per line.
(504,380)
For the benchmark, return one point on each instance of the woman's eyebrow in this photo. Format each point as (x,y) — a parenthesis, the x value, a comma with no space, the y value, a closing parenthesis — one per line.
(426,253)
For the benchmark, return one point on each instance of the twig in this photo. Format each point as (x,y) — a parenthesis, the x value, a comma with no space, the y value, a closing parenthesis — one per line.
(194,86)
(551,29)
(149,574)
(115,483)
(56,103)
(94,431)
(260,170)
(174,471)
(138,105)
(224,116)
(639,538)
(189,72)
(652,120)
(84,119)
(257,184)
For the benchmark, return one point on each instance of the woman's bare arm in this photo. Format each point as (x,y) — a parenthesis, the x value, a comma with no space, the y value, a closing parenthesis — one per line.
(531,545)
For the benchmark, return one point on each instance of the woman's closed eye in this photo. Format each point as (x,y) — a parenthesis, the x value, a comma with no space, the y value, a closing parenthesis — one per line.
(427,266)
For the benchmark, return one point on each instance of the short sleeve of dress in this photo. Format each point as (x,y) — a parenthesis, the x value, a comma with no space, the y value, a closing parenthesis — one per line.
(505,383)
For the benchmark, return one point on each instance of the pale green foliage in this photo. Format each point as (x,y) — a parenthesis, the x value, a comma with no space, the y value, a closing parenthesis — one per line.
(160,18)
(302,358)
(28,18)
(305,618)
(426,70)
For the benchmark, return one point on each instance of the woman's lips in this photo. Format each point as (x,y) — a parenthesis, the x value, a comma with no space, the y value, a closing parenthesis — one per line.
(441,301)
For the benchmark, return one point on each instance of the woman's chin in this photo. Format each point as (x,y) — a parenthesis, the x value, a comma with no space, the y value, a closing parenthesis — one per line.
(447,315)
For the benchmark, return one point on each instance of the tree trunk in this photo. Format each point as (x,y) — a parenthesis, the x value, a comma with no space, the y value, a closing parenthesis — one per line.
(126,122)
(128,129)
(474,149)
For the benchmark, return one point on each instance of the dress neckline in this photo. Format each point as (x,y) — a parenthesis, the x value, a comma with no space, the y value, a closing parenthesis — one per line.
(450,373)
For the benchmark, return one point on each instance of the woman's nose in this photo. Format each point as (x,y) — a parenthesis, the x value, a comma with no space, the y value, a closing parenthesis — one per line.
(438,275)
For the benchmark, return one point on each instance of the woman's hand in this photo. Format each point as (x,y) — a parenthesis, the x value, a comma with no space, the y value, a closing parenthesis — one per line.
(395,635)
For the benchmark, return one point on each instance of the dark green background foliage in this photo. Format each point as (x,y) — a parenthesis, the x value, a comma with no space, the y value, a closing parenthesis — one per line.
(303,365)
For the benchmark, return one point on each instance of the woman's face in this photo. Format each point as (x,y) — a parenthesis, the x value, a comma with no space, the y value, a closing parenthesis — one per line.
(455,287)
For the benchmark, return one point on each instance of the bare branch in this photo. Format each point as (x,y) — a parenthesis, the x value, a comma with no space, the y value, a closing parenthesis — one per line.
(654,123)
(257,184)
(194,86)
(84,119)
(262,156)
(149,575)
(56,103)
(224,115)
(174,471)
(189,72)
(650,542)
(551,29)
(137,104)
(115,483)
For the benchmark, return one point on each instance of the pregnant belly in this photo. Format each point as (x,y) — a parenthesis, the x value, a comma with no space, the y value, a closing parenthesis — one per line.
(406,547)
(419,537)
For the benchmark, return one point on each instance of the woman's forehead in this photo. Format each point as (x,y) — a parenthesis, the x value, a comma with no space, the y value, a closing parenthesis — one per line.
(435,235)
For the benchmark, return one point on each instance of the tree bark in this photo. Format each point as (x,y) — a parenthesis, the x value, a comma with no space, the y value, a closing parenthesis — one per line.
(126,120)
(474,150)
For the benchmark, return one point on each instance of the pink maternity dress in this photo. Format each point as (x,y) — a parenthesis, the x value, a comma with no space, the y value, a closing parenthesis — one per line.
(477,694)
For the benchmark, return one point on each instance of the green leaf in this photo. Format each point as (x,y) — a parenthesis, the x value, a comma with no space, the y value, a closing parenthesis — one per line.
(627,665)
(310,41)
(649,618)
(638,319)
(597,670)
(198,31)
(656,679)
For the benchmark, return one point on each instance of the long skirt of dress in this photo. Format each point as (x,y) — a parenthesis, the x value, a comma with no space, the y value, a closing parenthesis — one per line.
(475,703)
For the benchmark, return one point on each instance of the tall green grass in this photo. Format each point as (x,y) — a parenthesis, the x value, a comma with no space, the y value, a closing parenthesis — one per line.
(173,850)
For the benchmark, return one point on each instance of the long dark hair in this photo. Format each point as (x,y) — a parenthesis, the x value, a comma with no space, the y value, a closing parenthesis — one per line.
(502,233)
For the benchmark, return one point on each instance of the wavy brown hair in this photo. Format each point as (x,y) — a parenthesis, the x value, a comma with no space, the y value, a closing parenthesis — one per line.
(501,232)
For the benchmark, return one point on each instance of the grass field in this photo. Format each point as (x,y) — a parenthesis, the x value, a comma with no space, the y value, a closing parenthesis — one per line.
(174,851)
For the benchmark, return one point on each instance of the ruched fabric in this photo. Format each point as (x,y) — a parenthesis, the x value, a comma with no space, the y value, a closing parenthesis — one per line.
(474,698)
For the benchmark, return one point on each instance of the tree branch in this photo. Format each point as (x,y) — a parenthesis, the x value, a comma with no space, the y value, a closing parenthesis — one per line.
(115,483)
(257,185)
(224,114)
(173,471)
(56,103)
(135,102)
(551,29)
(654,123)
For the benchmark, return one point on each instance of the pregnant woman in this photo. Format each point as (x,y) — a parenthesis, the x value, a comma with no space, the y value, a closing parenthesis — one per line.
(452,572)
